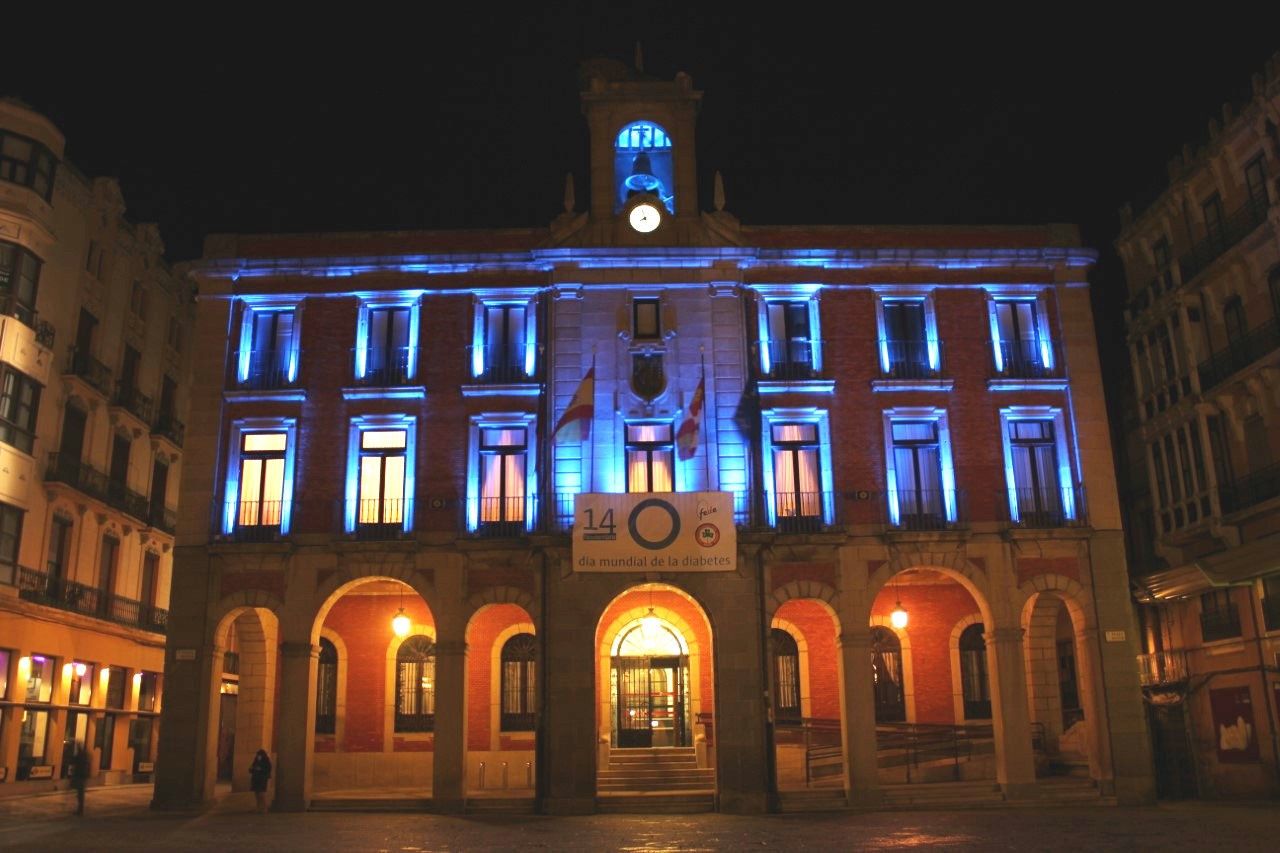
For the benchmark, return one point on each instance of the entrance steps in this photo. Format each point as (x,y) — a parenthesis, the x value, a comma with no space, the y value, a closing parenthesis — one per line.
(825,799)
(1071,791)
(661,779)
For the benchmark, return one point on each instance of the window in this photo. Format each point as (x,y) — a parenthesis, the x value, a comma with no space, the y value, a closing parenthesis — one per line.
(5,656)
(1273,287)
(519,659)
(1234,322)
(503,457)
(138,301)
(504,346)
(386,343)
(886,676)
(1270,605)
(908,338)
(108,561)
(643,163)
(786,676)
(19,403)
(327,688)
(1042,492)
(262,479)
(147,586)
(650,458)
(646,318)
(10,540)
(1255,180)
(382,478)
(797,463)
(415,685)
(973,674)
(1163,259)
(148,690)
(19,279)
(80,687)
(917,470)
(33,739)
(1219,617)
(1212,209)
(26,162)
(1020,335)
(268,355)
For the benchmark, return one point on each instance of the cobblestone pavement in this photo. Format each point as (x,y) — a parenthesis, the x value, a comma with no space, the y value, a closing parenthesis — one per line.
(118,819)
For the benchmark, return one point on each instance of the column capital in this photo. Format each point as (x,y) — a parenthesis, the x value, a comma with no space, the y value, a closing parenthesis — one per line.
(451,647)
(294,649)
(855,640)
(1004,635)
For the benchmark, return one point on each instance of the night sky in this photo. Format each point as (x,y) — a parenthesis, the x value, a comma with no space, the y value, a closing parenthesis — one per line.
(449,123)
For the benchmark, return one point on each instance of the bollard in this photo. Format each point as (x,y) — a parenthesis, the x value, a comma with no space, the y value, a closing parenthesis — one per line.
(504,775)
(482,775)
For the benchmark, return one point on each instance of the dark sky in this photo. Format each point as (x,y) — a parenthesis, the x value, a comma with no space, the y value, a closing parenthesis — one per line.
(443,123)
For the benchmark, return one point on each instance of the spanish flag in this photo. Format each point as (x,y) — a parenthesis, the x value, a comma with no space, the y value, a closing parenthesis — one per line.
(575,423)
(691,426)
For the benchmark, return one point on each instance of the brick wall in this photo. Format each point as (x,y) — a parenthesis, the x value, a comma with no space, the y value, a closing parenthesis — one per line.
(818,630)
(482,636)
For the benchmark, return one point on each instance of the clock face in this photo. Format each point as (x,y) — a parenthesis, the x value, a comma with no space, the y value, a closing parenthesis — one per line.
(645,217)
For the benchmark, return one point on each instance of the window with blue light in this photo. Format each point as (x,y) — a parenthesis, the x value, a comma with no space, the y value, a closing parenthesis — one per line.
(502,483)
(909,346)
(650,449)
(259,490)
(797,467)
(380,474)
(644,164)
(268,356)
(790,346)
(504,349)
(919,478)
(1021,344)
(1042,492)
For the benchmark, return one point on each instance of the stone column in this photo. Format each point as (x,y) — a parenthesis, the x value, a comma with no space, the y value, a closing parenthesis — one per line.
(187,748)
(862,784)
(294,737)
(449,771)
(1015,762)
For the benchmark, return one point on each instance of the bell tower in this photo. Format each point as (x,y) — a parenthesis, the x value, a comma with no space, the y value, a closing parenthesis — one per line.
(642,139)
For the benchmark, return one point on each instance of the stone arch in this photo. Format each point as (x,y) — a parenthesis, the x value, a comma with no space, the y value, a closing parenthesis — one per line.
(952,564)
(349,577)
(257,636)
(1071,591)
(815,590)
(500,595)
(484,677)
(227,609)
(908,674)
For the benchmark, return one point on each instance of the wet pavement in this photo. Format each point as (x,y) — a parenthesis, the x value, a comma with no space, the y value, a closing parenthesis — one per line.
(118,819)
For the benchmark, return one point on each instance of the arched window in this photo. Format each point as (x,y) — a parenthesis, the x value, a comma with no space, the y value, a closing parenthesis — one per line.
(518,662)
(327,688)
(886,676)
(786,674)
(973,674)
(643,164)
(416,685)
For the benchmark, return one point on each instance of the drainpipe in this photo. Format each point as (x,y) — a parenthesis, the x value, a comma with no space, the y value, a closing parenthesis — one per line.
(770,758)
(1267,690)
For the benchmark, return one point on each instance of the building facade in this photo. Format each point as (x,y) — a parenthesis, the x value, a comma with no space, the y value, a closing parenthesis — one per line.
(1203,267)
(94,367)
(417,447)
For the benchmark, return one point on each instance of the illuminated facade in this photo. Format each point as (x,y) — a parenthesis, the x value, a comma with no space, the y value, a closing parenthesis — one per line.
(1203,266)
(94,373)
(392,445)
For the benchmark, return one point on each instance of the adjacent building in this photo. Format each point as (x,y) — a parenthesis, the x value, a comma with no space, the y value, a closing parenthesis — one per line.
(650,501)
(94,367)
(1203,268)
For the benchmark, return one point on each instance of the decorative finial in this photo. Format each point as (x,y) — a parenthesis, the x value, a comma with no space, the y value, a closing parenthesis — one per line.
(569,199)
(639,58)
(718,198)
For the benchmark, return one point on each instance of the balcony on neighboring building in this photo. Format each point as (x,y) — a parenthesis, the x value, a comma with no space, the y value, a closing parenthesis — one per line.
(170,429)
(133,401)
(1158,669)
(1256,487)
(1239,354)
(53,591)
(90,371)
(162,518)
(88,480)
(1237,225)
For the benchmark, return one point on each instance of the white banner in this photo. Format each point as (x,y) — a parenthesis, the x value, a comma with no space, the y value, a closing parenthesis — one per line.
(654,532)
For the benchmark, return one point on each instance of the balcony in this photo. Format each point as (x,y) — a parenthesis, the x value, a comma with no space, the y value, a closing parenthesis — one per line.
(133,401)
(1220,624)
(164,519)
(926,510)
(263,370)
(1047,508)
(90,371)
(1239,354)
(380,519)
(1162,668)
(53,591)
(502,518)
(911,360)
(1028,358)
(503,365)
(787,360)
(1261,485)
(255,521)
(1239,224)
(170,429)
(88,480)
(383,367)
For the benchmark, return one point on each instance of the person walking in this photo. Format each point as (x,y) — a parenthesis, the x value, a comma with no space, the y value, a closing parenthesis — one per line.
(259,773)
(79,775)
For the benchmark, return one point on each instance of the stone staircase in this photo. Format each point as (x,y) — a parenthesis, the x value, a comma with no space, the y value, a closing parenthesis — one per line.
(661,780)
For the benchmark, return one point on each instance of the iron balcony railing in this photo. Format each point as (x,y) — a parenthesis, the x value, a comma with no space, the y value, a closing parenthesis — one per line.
(1237,225)
(167,426)
(379,518)
(92,371)
(503,365)
(127,500)
(1028,358)
(1239,354)
(255,521)
(384,367)
(913,359)
(789,359)
(84,478)
(52,590)
(1160,668)
(163,518)
(926,509)
(129,398)
(1258,486)
(503,517)
(1048,507)
(266,370)
(1220,624)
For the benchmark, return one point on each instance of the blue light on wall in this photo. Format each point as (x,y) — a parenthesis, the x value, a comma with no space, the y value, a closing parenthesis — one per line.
(360,424)
(643,163)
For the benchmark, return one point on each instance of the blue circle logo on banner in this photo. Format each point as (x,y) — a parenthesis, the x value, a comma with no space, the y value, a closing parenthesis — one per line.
(653,544)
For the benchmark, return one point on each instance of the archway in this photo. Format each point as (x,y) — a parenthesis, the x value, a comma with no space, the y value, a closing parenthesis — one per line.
(375,711)
(805,690)
(654,692)
(1060,688)
(502,699)
(247,639)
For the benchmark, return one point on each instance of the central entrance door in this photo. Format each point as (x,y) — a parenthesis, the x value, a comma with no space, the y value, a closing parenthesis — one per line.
(650,687)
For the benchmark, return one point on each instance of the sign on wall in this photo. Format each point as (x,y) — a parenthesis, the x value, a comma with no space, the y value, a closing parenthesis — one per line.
(654,532)
(1233,725)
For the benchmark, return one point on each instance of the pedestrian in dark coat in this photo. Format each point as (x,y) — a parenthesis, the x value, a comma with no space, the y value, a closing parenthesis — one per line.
(259,773)
(79,775)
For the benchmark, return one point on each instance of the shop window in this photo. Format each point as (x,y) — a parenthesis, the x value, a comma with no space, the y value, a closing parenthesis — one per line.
(415,685)
(80,684)
(148,690)
(519,662)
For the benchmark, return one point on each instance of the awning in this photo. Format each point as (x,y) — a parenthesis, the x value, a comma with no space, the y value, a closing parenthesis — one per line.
(1232,567)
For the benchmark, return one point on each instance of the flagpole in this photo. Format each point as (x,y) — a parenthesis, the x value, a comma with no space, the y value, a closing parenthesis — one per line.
(706,454)
(591,424)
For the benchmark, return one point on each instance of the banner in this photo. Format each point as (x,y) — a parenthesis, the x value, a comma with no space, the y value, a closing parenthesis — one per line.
(654,532)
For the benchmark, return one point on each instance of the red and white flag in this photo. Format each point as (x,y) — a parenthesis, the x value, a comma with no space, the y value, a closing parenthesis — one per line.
(691,427)
(575,423)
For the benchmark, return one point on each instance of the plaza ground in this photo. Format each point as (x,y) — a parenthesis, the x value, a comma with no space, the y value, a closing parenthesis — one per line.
(119,818)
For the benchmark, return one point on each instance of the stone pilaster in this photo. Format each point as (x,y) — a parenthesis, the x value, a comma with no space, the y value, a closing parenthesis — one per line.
(859,719)
(1015,762)
(294,742)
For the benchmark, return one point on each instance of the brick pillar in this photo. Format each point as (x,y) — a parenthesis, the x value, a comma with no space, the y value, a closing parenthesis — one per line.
(294,744)
(858,719)
(1015,763)
(449,771)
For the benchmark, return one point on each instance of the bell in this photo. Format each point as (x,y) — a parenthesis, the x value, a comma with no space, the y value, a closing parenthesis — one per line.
(642,178)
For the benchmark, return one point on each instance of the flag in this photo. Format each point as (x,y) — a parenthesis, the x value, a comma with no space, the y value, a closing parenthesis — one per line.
(576,420)
(691,426)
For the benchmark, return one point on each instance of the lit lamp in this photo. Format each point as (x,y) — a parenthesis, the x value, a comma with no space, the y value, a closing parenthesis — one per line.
(400,623)
(898,618)
(79,670)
